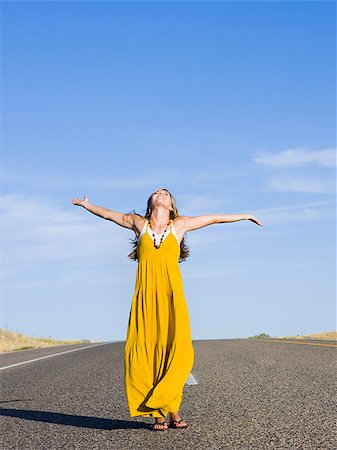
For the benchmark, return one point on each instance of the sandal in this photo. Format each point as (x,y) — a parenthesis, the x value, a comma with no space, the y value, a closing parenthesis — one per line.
(164,426)
(174,425)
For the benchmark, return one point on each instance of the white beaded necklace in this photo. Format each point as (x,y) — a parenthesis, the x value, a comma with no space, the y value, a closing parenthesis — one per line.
(154,234)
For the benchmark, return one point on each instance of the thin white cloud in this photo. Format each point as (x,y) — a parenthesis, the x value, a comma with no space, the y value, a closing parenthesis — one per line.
(301,215)
(310,211)
(279,215)
(37,233)
(301,184)
(36,229)
(297,157)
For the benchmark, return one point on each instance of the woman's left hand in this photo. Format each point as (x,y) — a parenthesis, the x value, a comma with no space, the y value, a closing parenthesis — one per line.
(254,219)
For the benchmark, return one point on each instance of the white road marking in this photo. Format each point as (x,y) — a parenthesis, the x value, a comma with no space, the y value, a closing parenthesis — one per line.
(191,380)
(54,354)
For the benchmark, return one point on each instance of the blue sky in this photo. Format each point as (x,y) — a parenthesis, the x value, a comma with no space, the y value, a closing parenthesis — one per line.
(229,105)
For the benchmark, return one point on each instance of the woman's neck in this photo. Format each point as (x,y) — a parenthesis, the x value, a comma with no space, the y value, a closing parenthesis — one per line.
(159,217)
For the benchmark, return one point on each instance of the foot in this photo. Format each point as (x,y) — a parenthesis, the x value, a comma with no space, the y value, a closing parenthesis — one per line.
(160,425)
(177,422)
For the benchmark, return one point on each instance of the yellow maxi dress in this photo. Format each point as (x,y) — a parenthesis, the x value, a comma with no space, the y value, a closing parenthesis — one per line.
(158,352)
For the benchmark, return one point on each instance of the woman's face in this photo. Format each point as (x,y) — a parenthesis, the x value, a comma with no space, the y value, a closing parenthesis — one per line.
(161,197)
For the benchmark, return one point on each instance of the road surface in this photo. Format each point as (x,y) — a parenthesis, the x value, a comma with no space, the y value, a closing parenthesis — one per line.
(251,394)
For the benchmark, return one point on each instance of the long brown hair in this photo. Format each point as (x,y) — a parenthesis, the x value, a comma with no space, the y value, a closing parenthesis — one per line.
(184,250)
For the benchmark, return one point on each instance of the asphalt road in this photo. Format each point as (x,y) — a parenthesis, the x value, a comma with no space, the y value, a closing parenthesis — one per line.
(251,394)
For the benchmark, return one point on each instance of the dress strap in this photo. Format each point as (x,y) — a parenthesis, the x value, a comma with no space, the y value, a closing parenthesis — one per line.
(143,230)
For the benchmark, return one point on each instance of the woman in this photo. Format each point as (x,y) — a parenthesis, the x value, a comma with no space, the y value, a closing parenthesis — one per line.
(158,352)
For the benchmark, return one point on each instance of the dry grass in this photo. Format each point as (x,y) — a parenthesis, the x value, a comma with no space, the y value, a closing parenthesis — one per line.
(327,336)
(10,341)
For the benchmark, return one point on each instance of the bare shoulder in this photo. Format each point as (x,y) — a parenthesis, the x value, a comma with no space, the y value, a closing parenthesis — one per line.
(138,223)
(180,224)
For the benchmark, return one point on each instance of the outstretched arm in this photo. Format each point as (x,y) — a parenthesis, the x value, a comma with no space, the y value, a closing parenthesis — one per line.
(124,220)
(194,223)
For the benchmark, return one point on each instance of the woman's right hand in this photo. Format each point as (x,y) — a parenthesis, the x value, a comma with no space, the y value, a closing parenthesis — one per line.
(77,201)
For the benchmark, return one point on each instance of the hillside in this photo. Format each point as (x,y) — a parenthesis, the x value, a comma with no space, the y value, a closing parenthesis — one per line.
(11,341)
(324,336)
